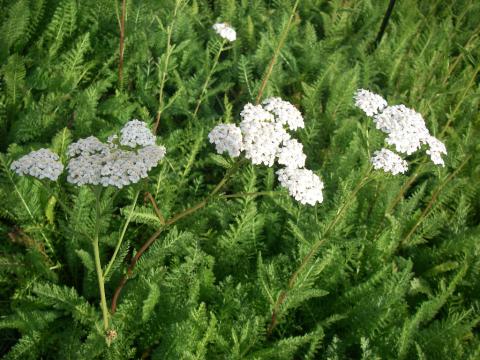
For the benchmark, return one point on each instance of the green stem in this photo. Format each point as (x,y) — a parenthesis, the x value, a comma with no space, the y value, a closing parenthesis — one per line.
(273,61)
(98,264)
(207,80)
(168,53)
(122,235)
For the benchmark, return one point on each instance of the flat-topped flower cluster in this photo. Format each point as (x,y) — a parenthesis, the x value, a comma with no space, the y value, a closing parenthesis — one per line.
(42,164)
(121,161)
(406,132)
(264,137)
(225,31)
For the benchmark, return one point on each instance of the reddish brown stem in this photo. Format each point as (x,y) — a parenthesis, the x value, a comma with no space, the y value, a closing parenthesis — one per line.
(122,42)
(155,208)
(134,261)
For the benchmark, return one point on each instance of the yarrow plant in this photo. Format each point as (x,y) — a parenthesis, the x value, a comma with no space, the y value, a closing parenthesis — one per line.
(406,132)
(122,161)
(263,135)
(95,163)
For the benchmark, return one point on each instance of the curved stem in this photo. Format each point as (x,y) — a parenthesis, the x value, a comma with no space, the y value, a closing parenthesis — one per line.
(292,281)
(122,235)
(207,80)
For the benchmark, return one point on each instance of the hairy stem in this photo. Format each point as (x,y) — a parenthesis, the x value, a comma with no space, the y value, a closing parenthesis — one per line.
(98,264)
(209,76)
(273,61)
(306,260)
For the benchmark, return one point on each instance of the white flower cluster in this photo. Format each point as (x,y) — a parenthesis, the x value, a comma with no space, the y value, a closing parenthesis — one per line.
(302,184)
(369,102)
(262,140)
(436,149)
(263,136)
(42,164)
(136,133)
(291,154)
(225,31)
(227,137)
(285,113)
(95,163)
(389,162)
(405,128)
(88,146)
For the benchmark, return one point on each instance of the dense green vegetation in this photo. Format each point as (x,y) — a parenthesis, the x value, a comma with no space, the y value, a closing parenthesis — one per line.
(385,270)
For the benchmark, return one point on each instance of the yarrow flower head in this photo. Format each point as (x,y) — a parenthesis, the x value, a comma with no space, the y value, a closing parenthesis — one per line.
(95,163)
(302,184)
(264,138)
(88,146)
(261,141)
(261,135)
(291,154)
(252,112)
(227,138)
(389,162)
(225,31)
(114,167)
(436,149)
(136,133)
(42,164)
(369,102)
(405,128)
(285,113)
